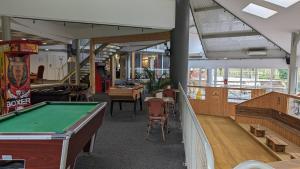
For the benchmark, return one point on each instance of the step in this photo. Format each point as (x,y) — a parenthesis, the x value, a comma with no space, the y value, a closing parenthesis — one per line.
(109,50)
(113,47)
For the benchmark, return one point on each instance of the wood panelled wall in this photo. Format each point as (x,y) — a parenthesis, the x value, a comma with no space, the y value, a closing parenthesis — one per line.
(276,126)
(216,101)
(271,111)
(272,100)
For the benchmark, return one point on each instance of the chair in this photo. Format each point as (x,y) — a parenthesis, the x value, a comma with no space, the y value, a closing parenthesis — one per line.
(170,93)
(40,73)
(87,95)
(156,113)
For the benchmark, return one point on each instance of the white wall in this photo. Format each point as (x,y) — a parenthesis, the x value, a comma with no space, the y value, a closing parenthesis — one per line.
(239,63)
(140,13)
(52,63)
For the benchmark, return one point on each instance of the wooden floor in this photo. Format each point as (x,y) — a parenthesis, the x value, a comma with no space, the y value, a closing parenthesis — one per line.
(231,144)
(291,164)
(291,148)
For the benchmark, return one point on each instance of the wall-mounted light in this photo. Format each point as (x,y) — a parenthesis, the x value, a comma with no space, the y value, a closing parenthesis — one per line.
(71,59)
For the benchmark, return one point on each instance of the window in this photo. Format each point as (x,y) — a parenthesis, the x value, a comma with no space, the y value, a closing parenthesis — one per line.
(196,93)
(237,95)
(280,80)
(203,76)
(248,77)
(194,77)
(234,77)
(264,79)
(220,76)
(137,60)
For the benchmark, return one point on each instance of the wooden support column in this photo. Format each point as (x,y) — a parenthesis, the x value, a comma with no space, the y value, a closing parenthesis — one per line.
(133,65)
(92,67)
(123,70)
(113,70)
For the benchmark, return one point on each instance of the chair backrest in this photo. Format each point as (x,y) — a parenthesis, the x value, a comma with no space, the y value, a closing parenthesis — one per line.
(40,73)
(169,93)
(156,107)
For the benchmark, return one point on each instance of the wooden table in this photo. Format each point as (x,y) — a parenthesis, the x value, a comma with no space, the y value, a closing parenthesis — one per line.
(257,130)
(175,90)
(126,94)
(165,99)
(275,143)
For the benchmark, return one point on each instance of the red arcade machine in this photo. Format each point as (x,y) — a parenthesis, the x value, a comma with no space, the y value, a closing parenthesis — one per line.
(15,74)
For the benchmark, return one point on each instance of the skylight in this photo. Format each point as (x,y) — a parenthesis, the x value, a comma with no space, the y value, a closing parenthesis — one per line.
(283,3)
(259,11)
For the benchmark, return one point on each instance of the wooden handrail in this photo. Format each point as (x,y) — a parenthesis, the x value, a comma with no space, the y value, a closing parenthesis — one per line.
(82,63)
(234,88)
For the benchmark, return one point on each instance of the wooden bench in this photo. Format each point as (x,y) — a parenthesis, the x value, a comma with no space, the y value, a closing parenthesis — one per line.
(294,155)
(275,143)
(257,130)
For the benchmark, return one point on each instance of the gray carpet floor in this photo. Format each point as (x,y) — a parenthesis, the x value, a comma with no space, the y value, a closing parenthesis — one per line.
(121,143)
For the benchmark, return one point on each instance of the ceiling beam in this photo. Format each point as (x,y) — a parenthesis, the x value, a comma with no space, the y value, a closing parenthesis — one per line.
(197,25)
(229,34)
(207,8)
(134,38)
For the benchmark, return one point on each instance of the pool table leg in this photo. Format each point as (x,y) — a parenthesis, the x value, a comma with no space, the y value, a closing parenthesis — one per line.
(92,142)
(134,108)
(141,102)
(120,105)
(88,148)
(111,107)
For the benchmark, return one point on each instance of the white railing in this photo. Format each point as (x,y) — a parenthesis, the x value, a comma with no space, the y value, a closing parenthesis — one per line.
(250,164)
(198,152)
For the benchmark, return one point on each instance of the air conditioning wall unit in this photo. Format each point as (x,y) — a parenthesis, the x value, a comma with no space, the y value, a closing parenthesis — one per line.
(257,52)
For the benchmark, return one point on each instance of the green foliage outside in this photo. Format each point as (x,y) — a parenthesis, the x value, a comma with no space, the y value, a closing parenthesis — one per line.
(283,74)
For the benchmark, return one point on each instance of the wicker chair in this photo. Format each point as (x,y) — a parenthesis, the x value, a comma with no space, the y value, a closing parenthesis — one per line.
(157,113)
(170,93)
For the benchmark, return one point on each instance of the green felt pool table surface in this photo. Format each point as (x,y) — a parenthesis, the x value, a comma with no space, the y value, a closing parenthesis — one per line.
(50,117)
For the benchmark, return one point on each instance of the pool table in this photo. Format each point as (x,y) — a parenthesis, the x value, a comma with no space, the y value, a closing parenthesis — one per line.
(50,135)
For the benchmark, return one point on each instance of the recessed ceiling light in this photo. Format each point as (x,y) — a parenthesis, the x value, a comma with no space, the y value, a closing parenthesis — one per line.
(24,39)
(283,3)
(259,11)
(225,58)
(46,49)
(44,43)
